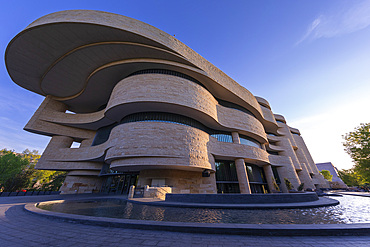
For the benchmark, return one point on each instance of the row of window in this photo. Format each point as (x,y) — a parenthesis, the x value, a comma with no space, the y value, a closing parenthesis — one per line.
(181,75)
(102,134)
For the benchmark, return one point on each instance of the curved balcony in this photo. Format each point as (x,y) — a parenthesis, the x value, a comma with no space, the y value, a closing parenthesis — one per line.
(158,145)
(57,53)
(165,93)
(231,151)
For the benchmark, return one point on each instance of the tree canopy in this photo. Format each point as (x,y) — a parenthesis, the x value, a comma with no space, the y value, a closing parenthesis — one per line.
(357,145)
(17,172)
(12,169)
(327,175)
(351,178)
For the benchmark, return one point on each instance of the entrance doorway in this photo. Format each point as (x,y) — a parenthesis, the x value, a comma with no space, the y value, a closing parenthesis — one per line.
(226,177)
(119,183)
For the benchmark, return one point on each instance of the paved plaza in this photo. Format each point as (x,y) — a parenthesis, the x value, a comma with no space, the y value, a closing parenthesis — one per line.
(19,228)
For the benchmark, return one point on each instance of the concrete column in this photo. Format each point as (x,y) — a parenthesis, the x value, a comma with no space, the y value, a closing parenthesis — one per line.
(55,143)
(242,177)
(263,146)
(281,171)
(235,136)
(59,142)
(86,143)
(305,177)
(289,151)
(269,177)
(131,192)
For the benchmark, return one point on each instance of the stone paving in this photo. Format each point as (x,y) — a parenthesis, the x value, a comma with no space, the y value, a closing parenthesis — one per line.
(19,228)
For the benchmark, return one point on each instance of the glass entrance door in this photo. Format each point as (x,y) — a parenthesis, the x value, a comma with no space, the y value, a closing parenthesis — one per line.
(226,177)
(119,183)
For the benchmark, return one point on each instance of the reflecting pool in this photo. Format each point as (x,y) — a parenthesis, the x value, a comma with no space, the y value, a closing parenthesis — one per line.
(352,209)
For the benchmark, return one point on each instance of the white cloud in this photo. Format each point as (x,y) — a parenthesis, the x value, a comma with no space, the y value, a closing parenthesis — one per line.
(345,21)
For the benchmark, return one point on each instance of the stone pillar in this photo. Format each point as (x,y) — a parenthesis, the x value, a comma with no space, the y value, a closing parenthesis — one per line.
(131,192)
(59,142)
(235,136)
(242,177)
(281,171)
(263,146)
(86,143)
(305,177)
(269,177)
(56,143)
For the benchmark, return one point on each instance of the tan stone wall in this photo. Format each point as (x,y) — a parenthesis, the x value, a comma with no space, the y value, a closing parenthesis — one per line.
(286,169)
(231,151)
(47,127)
(158,144)
(304,177)
(156,192)
(81,184)
(165,93)
(180,181)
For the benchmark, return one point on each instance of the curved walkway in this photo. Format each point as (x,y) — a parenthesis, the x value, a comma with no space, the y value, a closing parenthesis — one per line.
(19,228)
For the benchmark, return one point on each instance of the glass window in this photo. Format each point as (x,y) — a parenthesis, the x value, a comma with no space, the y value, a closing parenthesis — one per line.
(276,174)
(102,134)
(167,72)
(226,171)
(257,180)
(226,177)
(223,137)
(249,141)
(234,106)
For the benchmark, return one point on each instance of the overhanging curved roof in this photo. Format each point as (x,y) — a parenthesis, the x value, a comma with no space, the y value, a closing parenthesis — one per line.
(77,56)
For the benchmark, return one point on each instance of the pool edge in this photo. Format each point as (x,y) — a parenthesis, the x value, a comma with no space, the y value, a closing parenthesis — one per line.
(210,228)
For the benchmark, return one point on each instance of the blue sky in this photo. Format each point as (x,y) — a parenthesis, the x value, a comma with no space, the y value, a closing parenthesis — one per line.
(310,59)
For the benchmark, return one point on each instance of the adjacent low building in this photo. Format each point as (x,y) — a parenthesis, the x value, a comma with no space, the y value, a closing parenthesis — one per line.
(145,109)
(336,182)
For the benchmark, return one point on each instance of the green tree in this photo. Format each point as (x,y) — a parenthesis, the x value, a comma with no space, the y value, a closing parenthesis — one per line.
(42,179)
(350,177)
(288,184)
(327,175)
(55,181)
(13,171)
(17,172)
(357,145)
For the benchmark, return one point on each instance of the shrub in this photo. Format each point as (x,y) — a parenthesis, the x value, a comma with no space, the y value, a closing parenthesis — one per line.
(288,184)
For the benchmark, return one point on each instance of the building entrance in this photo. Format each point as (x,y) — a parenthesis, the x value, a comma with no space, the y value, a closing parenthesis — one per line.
(119,183)
(226,177)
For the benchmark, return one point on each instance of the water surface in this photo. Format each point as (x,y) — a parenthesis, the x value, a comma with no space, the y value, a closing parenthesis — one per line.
(352,209)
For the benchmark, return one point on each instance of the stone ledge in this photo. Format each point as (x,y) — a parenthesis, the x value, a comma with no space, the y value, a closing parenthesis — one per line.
(243,198)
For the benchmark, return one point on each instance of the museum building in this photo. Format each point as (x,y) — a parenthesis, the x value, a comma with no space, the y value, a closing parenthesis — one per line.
(145,109)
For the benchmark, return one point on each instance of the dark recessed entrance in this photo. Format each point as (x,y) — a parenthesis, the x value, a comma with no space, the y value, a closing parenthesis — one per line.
(119,184)
(226,177)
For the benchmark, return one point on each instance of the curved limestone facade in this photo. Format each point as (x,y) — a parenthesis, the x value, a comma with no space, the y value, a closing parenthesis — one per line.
(147,110)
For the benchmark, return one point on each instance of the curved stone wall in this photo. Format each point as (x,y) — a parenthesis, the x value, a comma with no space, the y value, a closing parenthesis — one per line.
(166,93)
(141,145)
